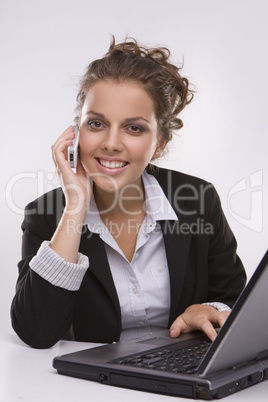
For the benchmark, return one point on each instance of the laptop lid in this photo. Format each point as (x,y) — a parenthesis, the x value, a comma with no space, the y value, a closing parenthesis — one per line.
(244,334)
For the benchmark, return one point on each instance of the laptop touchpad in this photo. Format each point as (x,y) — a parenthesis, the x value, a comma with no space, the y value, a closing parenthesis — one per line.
(154,341)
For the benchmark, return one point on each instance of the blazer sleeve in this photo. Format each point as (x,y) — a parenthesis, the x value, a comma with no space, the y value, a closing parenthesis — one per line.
(41,313)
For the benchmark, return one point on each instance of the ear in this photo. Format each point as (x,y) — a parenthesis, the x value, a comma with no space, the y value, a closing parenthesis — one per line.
(159,149)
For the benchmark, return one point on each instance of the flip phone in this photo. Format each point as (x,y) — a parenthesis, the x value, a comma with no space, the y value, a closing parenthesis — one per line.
(73,149)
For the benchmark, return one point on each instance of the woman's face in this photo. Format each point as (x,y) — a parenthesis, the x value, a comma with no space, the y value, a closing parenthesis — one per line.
(118,134)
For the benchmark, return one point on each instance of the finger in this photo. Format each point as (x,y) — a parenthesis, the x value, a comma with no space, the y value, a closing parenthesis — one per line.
(178,327)
(66,135)
(175,332)
(223,317)
(60,162)
(59,149)
(208,329)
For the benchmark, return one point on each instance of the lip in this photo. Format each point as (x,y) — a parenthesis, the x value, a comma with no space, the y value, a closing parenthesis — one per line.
(111,171)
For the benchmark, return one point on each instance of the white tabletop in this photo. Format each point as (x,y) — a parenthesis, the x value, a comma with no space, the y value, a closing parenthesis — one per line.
(27,374)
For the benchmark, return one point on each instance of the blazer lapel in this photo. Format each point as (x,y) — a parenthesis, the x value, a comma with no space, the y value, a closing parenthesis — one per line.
(177,249)
(177,235)
(93,246)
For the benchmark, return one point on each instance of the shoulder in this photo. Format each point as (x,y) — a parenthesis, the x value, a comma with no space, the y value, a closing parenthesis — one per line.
(181,188)
(51,198)
(167,177)
(46,209)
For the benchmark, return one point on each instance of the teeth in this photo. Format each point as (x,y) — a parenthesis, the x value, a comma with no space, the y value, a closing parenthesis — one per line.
(112,164)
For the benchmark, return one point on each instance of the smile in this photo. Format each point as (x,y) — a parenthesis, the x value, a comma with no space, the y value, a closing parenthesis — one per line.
(112,164)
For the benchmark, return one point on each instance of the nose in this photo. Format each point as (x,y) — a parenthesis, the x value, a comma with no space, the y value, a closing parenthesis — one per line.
(112,141)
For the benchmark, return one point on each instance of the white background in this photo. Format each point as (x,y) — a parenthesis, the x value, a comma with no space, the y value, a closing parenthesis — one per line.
(46,46)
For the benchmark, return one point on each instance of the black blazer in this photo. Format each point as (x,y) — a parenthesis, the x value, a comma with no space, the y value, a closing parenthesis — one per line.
(201,254)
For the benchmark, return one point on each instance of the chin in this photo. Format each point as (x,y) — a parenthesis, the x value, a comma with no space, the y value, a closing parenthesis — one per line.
(105,183)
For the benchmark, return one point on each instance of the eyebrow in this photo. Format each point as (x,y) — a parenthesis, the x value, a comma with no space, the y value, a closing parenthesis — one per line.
(128,119)
(96,114)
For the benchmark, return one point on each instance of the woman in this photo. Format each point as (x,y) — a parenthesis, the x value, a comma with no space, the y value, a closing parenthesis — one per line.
(122,250)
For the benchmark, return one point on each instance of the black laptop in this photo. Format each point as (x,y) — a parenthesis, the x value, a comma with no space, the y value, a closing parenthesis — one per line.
(189,366)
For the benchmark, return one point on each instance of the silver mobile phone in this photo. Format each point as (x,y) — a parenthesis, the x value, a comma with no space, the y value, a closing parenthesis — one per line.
(73,149)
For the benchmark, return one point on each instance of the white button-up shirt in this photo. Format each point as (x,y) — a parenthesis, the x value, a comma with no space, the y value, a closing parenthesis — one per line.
(142,285)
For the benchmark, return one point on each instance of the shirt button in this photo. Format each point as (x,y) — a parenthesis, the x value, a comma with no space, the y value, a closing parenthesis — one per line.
(135,291)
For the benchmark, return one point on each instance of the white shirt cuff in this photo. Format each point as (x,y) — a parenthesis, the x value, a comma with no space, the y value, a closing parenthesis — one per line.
(53,268)
(219,306)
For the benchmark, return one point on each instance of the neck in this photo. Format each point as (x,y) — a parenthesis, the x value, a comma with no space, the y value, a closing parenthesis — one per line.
(128,201)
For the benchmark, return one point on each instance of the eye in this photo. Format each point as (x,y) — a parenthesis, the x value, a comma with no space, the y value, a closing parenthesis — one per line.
(95,124)
(135,129)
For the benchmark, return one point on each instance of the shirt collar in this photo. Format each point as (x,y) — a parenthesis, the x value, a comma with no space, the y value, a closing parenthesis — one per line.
(156,203)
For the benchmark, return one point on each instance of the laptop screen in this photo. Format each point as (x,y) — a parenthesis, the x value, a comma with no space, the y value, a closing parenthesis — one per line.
(244,334)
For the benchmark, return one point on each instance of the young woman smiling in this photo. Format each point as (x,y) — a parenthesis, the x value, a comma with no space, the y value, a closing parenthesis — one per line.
(118,258)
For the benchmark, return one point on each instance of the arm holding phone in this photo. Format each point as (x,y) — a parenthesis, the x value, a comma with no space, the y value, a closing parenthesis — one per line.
(78,192)
(41,312)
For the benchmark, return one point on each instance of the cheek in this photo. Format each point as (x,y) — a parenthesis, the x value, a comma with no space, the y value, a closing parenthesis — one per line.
(86,144)
(144,149)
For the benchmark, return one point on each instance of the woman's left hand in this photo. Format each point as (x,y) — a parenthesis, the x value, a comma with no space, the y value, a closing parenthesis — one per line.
(199,317)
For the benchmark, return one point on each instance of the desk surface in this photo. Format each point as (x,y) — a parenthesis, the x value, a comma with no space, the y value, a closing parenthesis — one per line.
(26,374)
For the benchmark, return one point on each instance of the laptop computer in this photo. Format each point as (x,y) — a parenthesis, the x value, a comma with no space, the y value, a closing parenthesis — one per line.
(190,365)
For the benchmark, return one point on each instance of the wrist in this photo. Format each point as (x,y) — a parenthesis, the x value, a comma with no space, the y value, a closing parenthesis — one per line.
(77,208)
(218,306)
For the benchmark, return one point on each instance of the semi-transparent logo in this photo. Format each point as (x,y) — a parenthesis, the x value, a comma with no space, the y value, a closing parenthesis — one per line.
(252,189)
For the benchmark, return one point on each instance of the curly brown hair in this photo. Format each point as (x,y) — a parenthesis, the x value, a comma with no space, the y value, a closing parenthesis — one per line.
(152,69)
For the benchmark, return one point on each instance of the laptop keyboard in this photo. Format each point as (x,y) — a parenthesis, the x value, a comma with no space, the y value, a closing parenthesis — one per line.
(173,358)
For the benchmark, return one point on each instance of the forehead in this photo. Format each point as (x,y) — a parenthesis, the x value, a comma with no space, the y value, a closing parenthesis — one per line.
(125,98)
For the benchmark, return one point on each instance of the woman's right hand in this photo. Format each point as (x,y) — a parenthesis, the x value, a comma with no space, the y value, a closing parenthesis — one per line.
(76,186)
